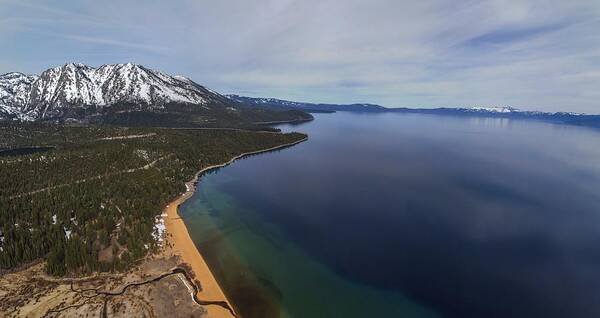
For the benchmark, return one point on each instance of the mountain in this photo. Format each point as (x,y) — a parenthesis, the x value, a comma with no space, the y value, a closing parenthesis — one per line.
(115,93)
(274,103)
(480,111)
(510,113)
(492,109)
(14,93)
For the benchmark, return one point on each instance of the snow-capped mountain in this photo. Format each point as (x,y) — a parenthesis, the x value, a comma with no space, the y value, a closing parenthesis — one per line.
(14,92)
(493,109)
(60,90)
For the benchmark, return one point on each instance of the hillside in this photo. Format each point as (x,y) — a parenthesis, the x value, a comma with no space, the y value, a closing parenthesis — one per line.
(88,198)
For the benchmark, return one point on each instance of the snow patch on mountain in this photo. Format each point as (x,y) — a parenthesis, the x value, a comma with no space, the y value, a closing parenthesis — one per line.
(493,109)
(14,93)
(75,85)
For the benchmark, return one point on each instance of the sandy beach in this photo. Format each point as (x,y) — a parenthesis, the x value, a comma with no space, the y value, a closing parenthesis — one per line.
(180,243)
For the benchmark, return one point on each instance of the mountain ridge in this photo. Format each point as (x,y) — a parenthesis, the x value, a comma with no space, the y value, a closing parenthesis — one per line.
(376,107)
(76,85)
(481,111)
(311,107)
(122,94)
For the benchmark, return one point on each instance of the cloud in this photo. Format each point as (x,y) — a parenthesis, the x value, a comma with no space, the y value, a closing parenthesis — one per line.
(501,37)
(531,54)
(111,42)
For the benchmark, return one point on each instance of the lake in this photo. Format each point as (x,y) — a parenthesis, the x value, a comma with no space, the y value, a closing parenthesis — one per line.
(408,215)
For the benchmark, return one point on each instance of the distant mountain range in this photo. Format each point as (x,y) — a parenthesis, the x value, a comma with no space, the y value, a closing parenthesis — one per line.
(123,94)
(274,103)
(133,95)
(481,111)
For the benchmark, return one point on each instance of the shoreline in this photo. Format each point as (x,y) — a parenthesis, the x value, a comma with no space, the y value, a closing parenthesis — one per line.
(291,121)
(179,242)
(260,124)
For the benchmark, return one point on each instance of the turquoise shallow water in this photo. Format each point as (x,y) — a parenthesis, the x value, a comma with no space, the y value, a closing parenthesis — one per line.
(258,258)
(408,216)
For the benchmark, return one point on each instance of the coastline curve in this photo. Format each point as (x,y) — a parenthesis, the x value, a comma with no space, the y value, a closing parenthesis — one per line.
(180,243)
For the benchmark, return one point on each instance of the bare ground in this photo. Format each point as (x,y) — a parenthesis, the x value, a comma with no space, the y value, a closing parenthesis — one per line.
(32,293)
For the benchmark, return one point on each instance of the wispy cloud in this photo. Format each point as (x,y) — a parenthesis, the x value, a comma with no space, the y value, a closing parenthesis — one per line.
(533,54)
(123,44)
(24,11)
(499,38)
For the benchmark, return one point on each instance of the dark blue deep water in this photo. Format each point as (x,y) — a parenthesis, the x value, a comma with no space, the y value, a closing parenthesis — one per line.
(400,215)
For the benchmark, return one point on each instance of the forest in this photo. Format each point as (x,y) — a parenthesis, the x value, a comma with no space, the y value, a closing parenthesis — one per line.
(89,201)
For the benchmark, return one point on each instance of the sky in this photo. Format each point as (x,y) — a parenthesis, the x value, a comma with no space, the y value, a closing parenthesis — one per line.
(530,54)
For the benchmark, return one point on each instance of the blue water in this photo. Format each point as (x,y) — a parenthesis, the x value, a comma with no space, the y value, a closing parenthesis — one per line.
(407,215)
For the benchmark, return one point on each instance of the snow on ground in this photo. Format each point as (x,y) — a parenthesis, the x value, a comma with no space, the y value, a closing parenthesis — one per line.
(128,137)
(142,154)
(159,229)
(67,233)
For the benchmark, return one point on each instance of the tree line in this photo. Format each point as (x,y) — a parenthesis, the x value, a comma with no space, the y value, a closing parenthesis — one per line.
(102,216)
